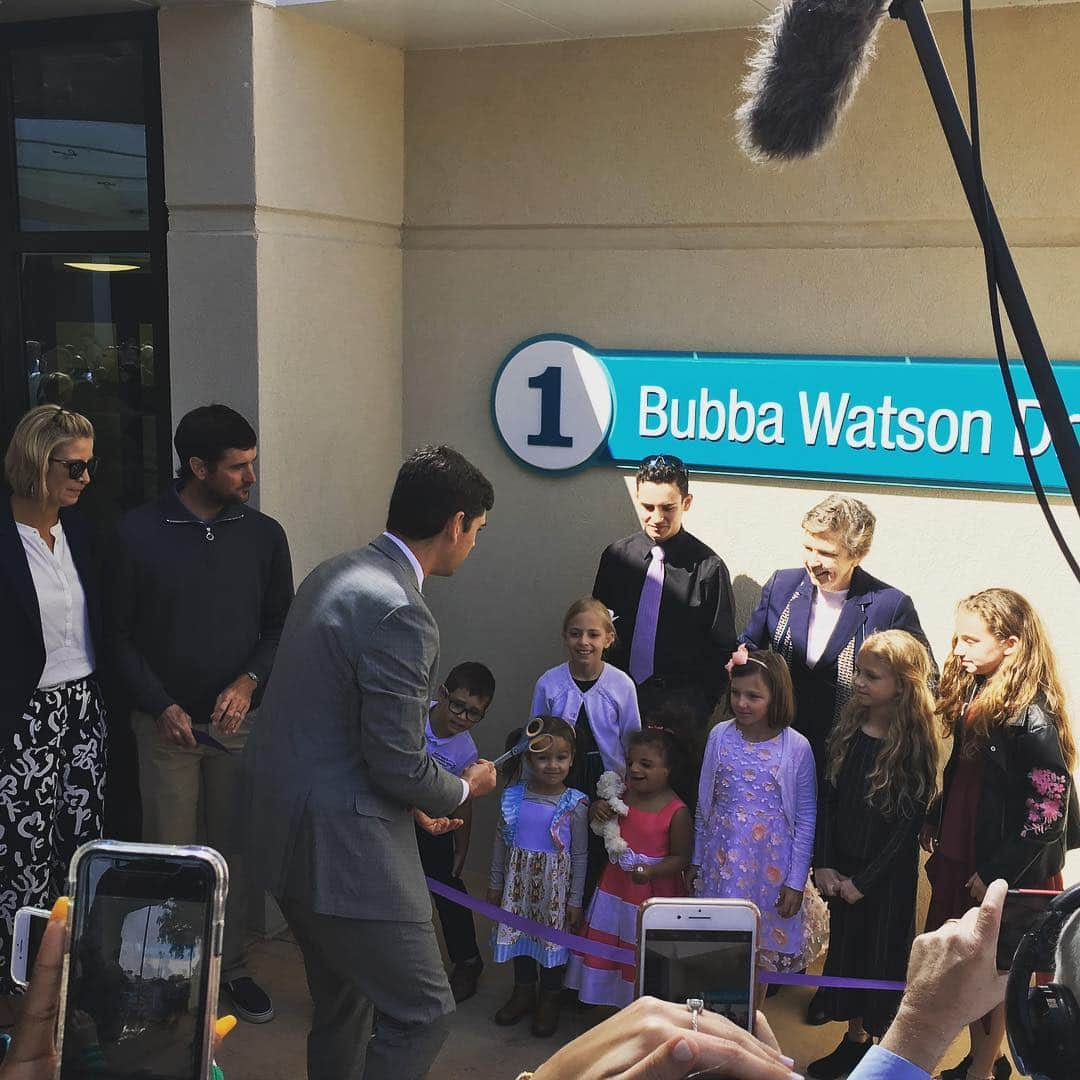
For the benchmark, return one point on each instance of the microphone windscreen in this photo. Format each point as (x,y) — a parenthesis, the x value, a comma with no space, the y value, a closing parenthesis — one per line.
(810,59)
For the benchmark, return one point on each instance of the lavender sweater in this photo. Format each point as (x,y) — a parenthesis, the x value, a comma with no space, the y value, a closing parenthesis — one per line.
(611,705)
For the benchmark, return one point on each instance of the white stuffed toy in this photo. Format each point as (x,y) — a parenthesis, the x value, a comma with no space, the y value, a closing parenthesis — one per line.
(610,787)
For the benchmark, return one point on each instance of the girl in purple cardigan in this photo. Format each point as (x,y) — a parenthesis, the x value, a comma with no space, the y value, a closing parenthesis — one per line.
(757,809)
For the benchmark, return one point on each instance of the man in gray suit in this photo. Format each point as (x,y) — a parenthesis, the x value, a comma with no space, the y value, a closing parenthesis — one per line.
(338,762)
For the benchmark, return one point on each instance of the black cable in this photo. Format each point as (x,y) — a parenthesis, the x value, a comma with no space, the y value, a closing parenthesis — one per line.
(982,220)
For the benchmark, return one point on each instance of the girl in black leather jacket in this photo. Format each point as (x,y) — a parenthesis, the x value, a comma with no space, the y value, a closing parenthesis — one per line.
(1007,807)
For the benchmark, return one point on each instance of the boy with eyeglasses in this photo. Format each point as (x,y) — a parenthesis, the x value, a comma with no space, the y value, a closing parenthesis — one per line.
(462,701)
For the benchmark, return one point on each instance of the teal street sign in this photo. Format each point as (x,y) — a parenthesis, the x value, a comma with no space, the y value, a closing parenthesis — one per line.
(560,405)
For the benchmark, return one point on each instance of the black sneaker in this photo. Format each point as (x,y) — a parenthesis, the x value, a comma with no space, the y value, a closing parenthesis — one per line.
(250,1001)
(841,1061)
(464,977)
(1002,1069)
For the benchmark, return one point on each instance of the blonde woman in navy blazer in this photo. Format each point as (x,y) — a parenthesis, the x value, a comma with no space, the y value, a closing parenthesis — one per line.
(52,721)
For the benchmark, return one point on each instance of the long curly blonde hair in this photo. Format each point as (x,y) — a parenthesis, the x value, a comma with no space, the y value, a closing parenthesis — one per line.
(1026,675)
(904,777)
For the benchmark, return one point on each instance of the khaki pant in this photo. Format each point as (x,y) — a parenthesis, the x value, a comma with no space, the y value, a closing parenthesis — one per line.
(196,795)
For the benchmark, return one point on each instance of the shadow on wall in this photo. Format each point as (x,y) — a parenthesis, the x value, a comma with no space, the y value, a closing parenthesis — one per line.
(746,592)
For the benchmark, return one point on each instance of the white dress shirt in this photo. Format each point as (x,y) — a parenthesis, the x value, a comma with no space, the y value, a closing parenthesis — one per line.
(414,562)
(824,615)
(65,622)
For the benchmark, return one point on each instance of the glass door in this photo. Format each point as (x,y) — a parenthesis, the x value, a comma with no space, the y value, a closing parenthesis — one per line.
(82,243)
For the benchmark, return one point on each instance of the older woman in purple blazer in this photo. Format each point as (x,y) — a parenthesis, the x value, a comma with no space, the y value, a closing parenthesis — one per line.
(818,615)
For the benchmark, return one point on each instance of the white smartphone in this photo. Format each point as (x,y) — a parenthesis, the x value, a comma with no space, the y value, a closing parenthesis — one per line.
(140,986)
(703,949)
(30,923)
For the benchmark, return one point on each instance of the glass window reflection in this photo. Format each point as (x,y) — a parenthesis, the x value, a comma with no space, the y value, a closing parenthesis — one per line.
(80,136)
(89,345)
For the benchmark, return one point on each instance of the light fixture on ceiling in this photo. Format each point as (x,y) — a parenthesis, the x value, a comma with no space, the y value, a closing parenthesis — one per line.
(103,268)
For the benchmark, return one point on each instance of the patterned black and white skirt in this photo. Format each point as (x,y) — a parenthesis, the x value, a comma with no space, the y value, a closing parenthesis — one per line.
(52,778)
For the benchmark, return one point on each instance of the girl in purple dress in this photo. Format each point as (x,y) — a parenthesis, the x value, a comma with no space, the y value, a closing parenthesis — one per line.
(538,871)
(757,808)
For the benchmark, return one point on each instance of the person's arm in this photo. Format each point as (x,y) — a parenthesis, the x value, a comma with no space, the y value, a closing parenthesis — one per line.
(275,606)
(802,848)
(629,715)
(826,877)
(705,794)
(905,617)
(952,980)
(756,633)
(900,842)
(722,640)
(392,673)
(680,844)
(1045,783)
(497,873)
(579,853)
(121,615)
(462,837)
(540,704)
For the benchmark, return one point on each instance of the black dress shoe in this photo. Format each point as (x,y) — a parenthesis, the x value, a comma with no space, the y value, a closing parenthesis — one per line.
(841,1061)
(1002,1069)
(464,977)
(815,1011)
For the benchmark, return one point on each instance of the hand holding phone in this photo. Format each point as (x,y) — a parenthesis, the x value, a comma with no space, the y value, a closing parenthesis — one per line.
(144,962)
(700,949)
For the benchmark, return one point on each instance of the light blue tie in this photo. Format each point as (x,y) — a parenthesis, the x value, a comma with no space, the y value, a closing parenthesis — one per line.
(643,647)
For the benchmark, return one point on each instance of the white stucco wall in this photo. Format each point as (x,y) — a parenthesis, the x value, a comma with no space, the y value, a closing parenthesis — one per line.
(594,188)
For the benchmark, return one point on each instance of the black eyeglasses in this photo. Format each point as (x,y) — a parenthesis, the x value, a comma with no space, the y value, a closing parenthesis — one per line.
(77,467)
(459,708)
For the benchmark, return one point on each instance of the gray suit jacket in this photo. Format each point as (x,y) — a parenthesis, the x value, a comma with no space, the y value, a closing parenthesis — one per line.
(337,758)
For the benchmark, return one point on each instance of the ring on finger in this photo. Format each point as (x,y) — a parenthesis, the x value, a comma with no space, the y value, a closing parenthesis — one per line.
(695,1005)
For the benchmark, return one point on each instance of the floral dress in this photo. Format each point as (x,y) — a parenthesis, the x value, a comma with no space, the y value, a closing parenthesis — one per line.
(748,854)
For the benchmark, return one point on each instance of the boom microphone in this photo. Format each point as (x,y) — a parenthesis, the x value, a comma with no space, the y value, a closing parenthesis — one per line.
(809,62)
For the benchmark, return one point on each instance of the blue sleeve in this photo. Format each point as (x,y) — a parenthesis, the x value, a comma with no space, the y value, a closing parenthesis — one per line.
(882,1064)
(756,633)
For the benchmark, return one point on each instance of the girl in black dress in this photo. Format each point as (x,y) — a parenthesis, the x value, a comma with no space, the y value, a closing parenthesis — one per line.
(880,773)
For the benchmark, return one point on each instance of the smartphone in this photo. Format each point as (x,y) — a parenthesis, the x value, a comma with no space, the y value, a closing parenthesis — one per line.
(30,923)
(143,962)
(700,949)
(1024,908)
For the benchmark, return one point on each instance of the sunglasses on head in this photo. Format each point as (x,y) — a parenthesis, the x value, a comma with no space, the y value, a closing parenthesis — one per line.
(663,461)
(76,467)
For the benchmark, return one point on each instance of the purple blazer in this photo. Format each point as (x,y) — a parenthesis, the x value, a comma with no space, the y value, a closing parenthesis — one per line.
(781,622)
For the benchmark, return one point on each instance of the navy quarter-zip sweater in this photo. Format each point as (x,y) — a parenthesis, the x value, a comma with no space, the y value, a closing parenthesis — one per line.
(193,604)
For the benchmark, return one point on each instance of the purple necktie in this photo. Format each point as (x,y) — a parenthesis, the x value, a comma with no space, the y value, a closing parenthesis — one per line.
(643,646)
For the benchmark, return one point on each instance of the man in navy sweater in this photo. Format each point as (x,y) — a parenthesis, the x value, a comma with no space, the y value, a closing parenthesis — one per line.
(199,587)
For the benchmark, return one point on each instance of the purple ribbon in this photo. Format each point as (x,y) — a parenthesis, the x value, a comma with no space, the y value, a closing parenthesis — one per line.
(535,929)
(784,979)
(626,956)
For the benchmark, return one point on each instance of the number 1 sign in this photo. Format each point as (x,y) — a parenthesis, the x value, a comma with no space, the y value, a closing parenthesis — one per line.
(552,404)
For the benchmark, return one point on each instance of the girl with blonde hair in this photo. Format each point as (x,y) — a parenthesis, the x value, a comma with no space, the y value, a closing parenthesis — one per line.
(1007,808)
(880,775)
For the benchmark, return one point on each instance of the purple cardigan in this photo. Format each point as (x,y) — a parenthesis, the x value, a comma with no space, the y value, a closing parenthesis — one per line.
(797,778)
